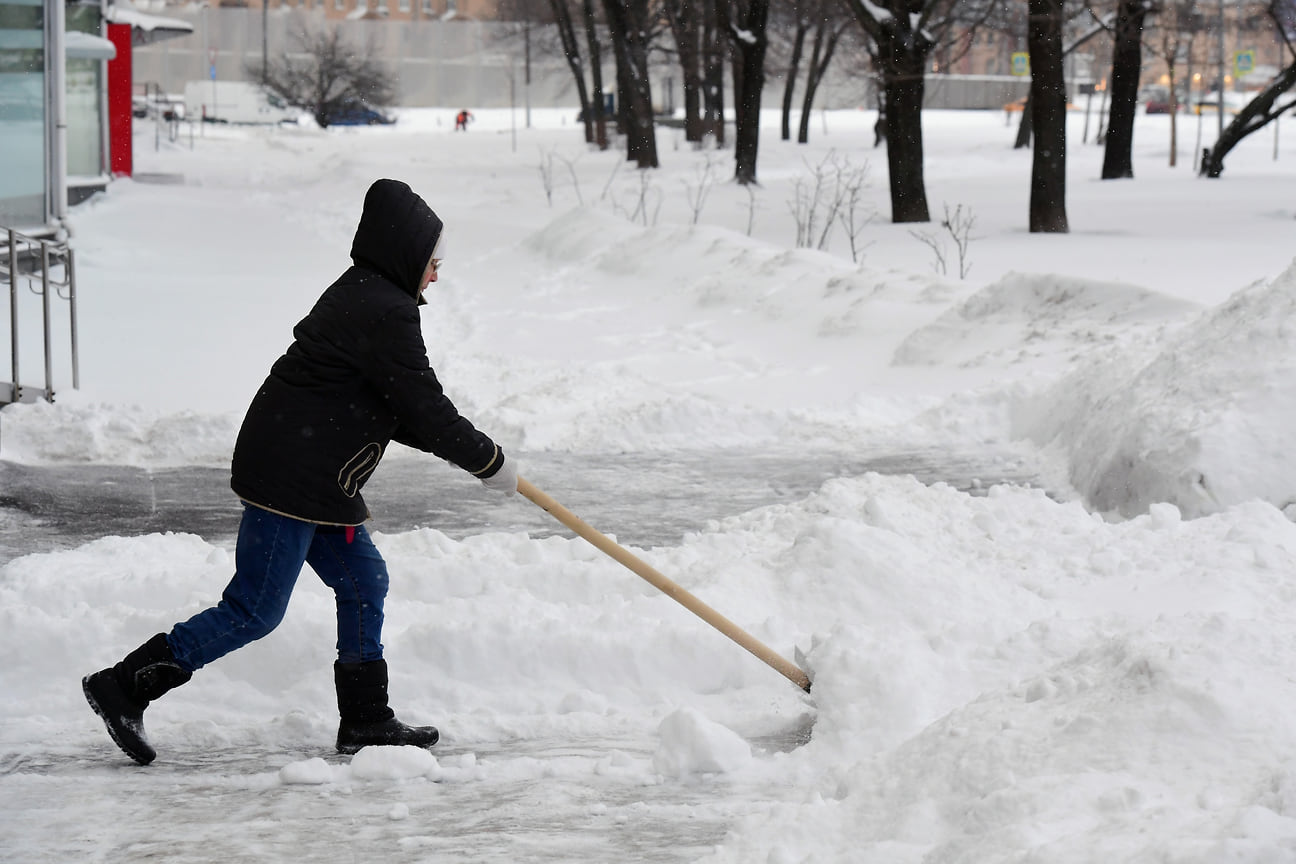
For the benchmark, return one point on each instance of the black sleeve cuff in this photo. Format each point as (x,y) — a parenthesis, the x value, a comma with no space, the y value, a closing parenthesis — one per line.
(493,466)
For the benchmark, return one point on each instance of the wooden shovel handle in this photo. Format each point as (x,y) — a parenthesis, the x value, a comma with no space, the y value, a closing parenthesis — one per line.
(662,583)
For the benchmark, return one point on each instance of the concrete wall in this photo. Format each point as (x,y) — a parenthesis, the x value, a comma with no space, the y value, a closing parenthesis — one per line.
(973,91)
(475,64)
(458,64)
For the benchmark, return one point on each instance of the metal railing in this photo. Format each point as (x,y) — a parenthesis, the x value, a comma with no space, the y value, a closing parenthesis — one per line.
(47,269)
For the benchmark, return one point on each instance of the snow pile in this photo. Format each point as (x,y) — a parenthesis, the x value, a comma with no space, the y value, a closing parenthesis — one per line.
(1026,318)
(693,744)
(76,429)
(980,699)
(1201,419)
(680,336)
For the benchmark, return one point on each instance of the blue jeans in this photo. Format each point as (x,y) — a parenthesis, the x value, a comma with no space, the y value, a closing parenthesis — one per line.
(270,553)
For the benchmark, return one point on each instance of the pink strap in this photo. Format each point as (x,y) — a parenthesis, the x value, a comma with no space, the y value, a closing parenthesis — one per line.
(350,533)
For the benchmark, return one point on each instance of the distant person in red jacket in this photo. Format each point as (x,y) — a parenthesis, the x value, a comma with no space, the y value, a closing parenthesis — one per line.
(461,120)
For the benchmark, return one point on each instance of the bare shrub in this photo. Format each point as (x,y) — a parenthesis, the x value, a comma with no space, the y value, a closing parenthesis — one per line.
(958,226)
(831,196)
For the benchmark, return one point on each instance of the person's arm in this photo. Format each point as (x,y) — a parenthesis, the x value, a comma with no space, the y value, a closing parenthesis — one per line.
(398,368)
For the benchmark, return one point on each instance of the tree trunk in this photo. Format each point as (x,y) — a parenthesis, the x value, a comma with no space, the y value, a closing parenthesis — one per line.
(794,67)
(1255,115)
(627,23)
(571,52)
(620,55)
(596,75)
(903,47)
(683,18)
(1127,65)
(903,60)
(750,44)
(1048,98)
(803,128)
(713,55)
(1026,126)
(825,45)
(1174,114)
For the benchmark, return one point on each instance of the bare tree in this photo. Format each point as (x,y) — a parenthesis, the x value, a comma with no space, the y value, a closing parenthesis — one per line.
(596,73)
(1048,104)
(1177,22)
(808,33)
(1127,66)
(903,34)
(686,23)
(628,22)
(799,24)
(530,20)
(715,46)
(569,28)
(829,30)
(1099,26)
(572,54)
(326,75)
(746,22)
(1268,105)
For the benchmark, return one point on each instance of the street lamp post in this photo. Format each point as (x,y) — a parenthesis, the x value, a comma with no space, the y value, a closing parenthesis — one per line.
(1220,37)
(265,40)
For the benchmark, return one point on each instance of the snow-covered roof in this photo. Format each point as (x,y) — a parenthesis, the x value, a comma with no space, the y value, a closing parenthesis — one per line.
(146,28)
(87,46)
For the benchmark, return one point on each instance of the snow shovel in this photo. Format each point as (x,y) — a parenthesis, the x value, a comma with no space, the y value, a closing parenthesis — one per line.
(619,553)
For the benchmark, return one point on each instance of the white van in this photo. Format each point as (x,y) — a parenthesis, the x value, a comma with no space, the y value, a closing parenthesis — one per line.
(235,102)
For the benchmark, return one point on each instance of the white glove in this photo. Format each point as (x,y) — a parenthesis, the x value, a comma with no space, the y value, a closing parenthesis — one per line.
(504,480)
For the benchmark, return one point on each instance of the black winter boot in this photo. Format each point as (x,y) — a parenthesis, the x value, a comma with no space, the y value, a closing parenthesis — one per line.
(366,719)
(119,694)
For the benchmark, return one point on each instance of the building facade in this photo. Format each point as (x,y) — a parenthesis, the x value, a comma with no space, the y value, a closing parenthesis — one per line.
(395,10)
(53,109)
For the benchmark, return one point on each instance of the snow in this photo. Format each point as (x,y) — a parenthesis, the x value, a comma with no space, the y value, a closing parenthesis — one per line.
(1095,669)
(125,12)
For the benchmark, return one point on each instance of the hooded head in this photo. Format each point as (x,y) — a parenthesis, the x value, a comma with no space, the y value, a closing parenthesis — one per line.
(397,235)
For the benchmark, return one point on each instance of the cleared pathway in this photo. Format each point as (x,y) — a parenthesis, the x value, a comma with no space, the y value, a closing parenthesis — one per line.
(644,499)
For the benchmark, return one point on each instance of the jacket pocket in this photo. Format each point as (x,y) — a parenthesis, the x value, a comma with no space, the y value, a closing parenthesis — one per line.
(358,468)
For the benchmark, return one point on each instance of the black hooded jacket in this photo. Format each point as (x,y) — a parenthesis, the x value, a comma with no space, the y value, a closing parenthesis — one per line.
(355,378)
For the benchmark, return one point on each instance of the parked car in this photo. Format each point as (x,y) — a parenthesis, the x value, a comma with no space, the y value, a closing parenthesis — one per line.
(1208,103)
(359,114)
(235,102)
(1156,100)
(158,105)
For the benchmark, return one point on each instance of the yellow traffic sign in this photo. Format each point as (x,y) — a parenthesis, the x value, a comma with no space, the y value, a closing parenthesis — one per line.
(1243,63)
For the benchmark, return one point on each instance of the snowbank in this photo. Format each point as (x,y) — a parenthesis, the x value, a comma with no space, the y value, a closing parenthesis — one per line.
(1201,419)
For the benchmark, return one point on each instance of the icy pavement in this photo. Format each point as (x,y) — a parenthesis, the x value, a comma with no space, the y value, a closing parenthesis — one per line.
(591,804)
(646,499)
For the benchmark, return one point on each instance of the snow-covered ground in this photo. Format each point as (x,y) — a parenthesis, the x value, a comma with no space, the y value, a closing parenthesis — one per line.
(1098,673)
